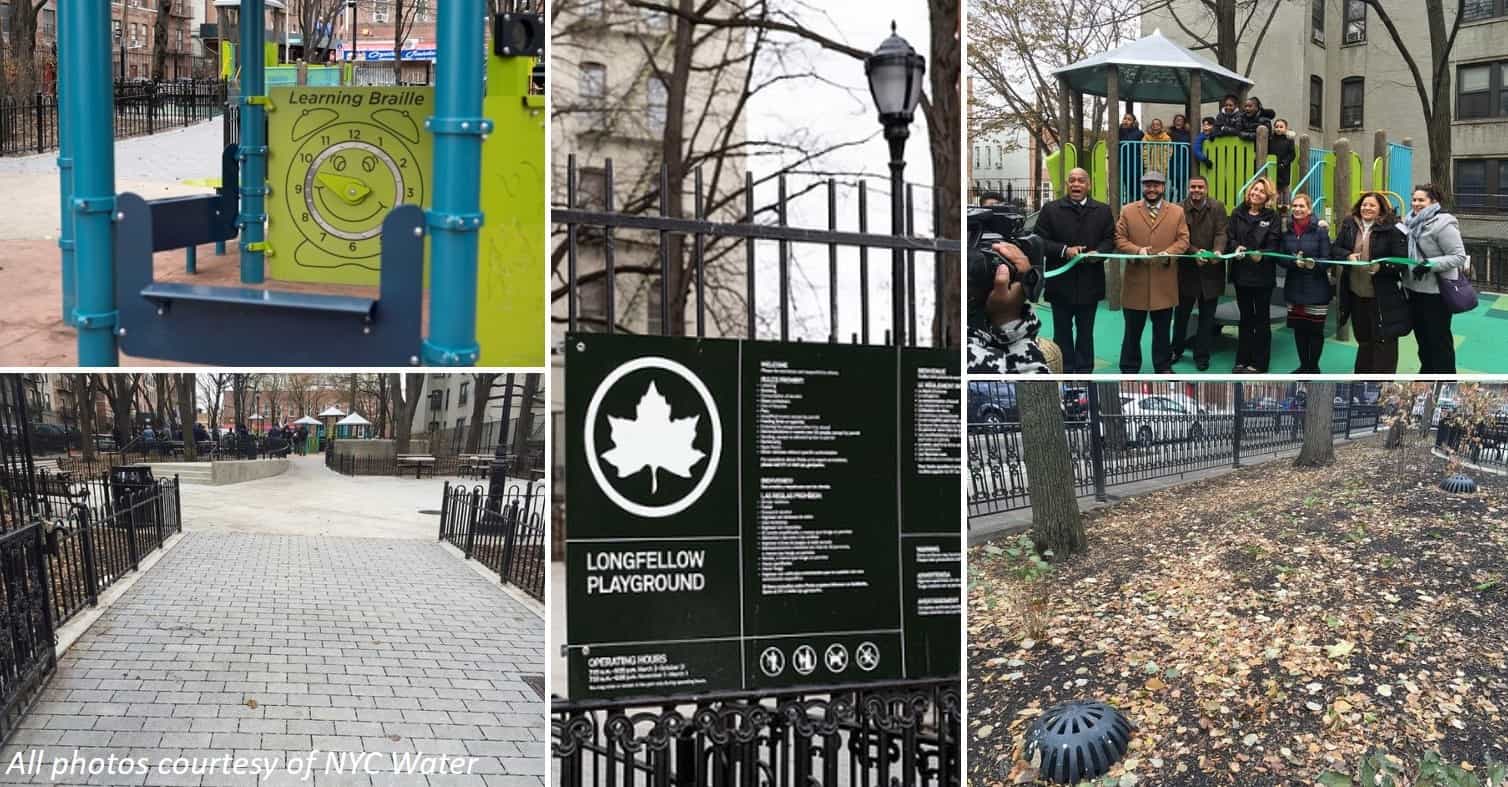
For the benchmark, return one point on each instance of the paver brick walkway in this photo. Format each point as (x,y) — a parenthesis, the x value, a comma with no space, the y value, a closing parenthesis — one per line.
(272,645)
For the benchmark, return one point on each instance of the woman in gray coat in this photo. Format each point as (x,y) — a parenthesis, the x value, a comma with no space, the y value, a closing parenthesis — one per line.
(1434,237)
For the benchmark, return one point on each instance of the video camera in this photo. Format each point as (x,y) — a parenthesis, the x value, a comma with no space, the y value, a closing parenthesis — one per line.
(988,226)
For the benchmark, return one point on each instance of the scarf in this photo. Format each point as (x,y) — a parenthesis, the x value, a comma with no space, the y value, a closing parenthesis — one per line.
(1414,222)
(1300,226)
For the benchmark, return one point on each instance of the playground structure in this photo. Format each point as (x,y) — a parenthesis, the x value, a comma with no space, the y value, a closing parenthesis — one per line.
(485,301)
(1155,70)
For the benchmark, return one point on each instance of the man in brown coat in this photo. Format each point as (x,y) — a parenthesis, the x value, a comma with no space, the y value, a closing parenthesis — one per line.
(1200,282)
(1149,287)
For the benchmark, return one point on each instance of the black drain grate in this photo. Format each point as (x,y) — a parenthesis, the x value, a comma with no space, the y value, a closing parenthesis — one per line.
(1459,483)
(1077,740)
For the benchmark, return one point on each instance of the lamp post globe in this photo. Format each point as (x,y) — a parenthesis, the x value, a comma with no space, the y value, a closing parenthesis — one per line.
(895,73)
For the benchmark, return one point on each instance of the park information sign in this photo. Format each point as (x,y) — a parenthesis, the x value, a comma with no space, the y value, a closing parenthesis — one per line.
(752,515)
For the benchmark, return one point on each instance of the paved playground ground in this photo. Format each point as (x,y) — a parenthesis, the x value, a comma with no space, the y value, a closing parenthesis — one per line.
(1479,341)
(306,611)
(172,163)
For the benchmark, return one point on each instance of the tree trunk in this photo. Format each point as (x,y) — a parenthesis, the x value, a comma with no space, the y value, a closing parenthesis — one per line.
(483,392)
(160,401)
(1110,405)
(398,41)
(1225,23)
(186,416)
(525,422)
(83,400)
(1431,401)
(1056,524)
(944,123)
(406,404)
(1319,412)
(160,42)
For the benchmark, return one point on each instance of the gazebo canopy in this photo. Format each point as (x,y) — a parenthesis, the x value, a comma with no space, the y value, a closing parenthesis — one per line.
(308,420)
(354,419)
(332,412)
(1153,70)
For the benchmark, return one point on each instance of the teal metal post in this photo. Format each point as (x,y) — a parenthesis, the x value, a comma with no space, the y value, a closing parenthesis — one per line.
(253,154)
(65,161)
(90,94)
(191,260)
(456,217)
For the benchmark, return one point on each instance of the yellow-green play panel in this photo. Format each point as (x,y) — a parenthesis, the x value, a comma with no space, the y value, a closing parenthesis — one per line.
(511,253)
(339,159)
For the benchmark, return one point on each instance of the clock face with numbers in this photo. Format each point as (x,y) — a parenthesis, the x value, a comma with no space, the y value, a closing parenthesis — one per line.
(348,164)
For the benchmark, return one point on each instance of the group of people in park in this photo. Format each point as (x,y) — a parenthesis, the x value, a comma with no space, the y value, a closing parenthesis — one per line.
(1382,272)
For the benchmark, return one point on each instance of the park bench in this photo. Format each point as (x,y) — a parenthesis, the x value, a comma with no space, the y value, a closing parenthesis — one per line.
(417,461)
(478,465)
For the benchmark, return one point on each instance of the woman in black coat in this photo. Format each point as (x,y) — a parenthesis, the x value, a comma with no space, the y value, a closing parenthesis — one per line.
(1306,286)
(1373,294)
(1254,228)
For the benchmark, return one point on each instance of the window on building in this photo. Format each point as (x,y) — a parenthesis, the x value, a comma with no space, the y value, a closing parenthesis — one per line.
(591,305)
(460,423)
(465,389)
(50,23)
(380,13)
(1356,21)
(1474,91)
(593,83)
(1352,98)
(655,20)
(591,189)
(659,101)
(1477,10)
(115,31)
(1317,22)
(1317,103)
(655,326)
(1482,185)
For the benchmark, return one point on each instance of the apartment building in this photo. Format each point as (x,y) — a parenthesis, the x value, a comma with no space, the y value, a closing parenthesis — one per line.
(1331,68)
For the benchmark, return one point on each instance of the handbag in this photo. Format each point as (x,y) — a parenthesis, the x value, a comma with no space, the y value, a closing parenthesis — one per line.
(1457,294)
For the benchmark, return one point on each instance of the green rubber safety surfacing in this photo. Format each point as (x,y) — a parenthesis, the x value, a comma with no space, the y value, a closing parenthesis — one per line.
(1480,336)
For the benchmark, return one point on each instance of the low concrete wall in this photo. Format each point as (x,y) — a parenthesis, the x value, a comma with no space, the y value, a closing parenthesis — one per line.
(367,449)
(236,471)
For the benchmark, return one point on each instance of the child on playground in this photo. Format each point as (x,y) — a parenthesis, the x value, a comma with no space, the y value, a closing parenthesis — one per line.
(1206,133)
(1280,144)
(1228,119)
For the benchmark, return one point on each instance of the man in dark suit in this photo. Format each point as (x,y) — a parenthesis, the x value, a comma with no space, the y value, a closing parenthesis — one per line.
(1200,282)
(1068,227)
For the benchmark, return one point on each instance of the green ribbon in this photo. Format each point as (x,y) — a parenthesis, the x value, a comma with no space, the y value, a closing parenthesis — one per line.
(1213,255)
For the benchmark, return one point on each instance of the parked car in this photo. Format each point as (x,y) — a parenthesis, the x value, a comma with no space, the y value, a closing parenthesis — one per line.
(993,403)
(1165,418)
(52,438)
(1075,403)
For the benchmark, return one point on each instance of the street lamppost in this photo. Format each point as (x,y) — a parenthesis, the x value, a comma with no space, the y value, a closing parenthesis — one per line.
(895,73)
(351,6)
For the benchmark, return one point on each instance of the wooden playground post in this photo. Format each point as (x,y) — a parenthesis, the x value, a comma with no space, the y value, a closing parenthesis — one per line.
(1113,176)
(1078,123)
(1342,175)
(1260,163)
(1301,155)
(1380,151)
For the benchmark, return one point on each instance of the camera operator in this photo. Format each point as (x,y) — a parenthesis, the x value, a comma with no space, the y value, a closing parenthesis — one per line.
(1003,329)
(1068,227)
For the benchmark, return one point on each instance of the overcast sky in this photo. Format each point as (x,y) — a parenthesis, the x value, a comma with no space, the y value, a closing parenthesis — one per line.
(836,112)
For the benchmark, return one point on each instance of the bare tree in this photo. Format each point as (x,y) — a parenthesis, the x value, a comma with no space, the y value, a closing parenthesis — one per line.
(532,394)
(186,416)
(481,397)
(160,38)
(317,20)
(1319,413)
(120,391)
(1431,86)
(1056,524)
(406,398)
(404,14)
(83,400)
(212,392)
(22,21)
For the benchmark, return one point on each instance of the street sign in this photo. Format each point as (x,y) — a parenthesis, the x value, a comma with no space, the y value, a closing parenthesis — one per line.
(755,515)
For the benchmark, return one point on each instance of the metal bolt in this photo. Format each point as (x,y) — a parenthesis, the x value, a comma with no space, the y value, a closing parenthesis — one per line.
(465,125)
(121,216)
(161,311)
(366,330)
(413,360)
(121,332)
(418,232)
(580,346)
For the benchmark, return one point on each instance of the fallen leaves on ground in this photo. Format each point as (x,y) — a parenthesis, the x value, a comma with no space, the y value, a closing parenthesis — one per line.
(1263,627)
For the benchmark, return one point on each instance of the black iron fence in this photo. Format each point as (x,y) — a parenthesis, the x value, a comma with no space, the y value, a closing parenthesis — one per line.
(1484,444)
(349,464)
(594,225)
(505,533)
(140,450)
(1489,264)
(1123,433)
(30,124)
(883,734)
(104,535)
(1011,191)
(26,628)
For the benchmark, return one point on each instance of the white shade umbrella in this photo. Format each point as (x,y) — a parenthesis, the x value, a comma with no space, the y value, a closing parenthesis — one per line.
(354,419)
(308,420)
(332,412)
(255,417)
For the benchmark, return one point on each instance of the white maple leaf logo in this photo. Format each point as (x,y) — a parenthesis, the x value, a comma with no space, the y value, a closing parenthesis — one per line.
(654,440)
